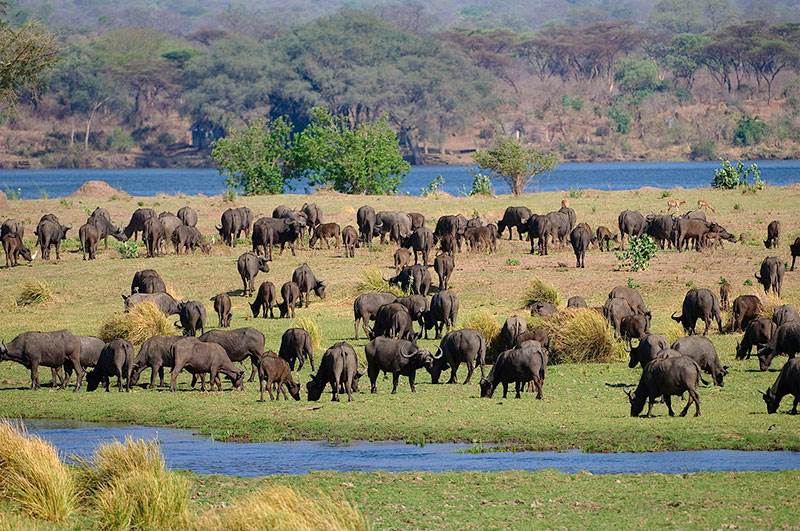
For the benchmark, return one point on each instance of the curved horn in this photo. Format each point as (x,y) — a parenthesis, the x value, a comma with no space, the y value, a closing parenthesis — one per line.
(439,351)
(33,257)
(218,227)
(403,353)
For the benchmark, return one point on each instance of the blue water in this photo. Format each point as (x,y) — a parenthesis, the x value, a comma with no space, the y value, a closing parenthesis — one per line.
(183,450)
(34,184)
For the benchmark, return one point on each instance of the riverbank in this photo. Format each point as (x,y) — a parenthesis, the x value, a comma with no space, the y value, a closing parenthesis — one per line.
(584,405)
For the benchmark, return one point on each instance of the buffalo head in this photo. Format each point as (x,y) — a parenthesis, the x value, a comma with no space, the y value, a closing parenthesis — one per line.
(319,289)
(294,390)
(487,389)
(3,351)
(314,388)
(771,399)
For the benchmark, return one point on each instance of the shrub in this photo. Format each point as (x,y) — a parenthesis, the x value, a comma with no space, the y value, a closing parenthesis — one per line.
(704,150)
(310,326)
(433,187)
(119,140)
(128,249)
(539,290)
(372,280)
(641,249)
(581,335)
(485,323)
(621,119)
(230,195)
(729,177)
(139,324)
(512,262)
(672,331)
(113,461)
(632,283)
(35,293)
(481,184)
(749,130)
(282,508)
(32,475)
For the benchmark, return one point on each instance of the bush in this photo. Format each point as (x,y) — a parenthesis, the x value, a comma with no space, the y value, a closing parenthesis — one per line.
(433,187)
(128,249)
(539,290)
(749,130)
(485,323)
(704,150)
(729,177)
(310,326)
(372,280)
(35,293)
(32,475)
(581,335)
(119,140)
(641,249)
(139,324)
(116,460)
(481,184)
(621,119)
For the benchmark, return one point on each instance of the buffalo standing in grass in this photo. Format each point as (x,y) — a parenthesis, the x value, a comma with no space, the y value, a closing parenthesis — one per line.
(444,265)
(189,239)
(249,265)
(274,371)
(200,358)
(758,333)
(443,312)
(771,277)
(647,350)
(393,320)
(631,223)
(222,305)
(785,340)
(784,313)
(787,383)
(14,248)
(670,374)
(396,356)
(188,216)
(702,350)
(365,308)
(163,301)
(581,239)
(147,281)
(307,282)
(366,220)
(266,299)
(462,346)
(326,232)
(291,297)
(46,349)
(296,347)
(699,303)
(795,250)
(193,317)
(49,234)
(514,217)
(420,241)
(339,368)
(116,359)
(239,344)
(773,235)
(91,348)
(349,241)
(745,309)
(136,224)
(520,365)
(152,235)
(155,353)
(605,237)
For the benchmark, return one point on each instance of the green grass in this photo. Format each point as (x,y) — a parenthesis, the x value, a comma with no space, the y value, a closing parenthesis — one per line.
(584,404)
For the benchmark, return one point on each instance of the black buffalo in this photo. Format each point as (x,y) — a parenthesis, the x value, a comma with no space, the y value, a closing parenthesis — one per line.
(240,344)
(443,312)
(266,299)
(630,223)
(520,365)
(291,297)
(366,220)
(785,340)
(136,224)
(702,351)
(116,359)
(249,265)
(222,305)
(193,317)
(147,281)
(514,217)
(339,368)
(365,307)
(444,265)
(699,303)
(306,282)
(745,309)
(758,334)
(296,346)
(201,358)
(581,237)
(462,346)
(155,353)
(396,356)
(46,349)
(787,383)
(393,320)
(667,376)
(647,350)
(163,301)
(771,277)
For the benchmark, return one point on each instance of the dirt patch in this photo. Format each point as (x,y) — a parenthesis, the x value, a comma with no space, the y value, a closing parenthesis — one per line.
(3,200)
(98,189)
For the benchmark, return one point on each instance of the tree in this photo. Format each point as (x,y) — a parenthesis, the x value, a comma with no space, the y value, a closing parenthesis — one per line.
(682,56)
(514,162)
(364,159)
(635,75)
(258,158)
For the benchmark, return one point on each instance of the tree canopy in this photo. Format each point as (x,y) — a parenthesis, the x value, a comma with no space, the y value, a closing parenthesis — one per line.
(515,163)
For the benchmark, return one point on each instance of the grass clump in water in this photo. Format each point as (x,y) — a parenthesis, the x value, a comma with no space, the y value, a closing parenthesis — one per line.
(35,293)
(309,325)
(539,290)
(282,508)
(139,324)
(372,280)
(33,476)
(581,335)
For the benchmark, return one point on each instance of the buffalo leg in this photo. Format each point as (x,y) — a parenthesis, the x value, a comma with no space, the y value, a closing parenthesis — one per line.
(34,375)
(252,370)
(373,379)
(707,322)
(505,389)
(454,369)
(794,406)
(335,387)
(668,402)
(395,380)
(688,403)
(518,389)
(538,383)
(173,378)
(651,402)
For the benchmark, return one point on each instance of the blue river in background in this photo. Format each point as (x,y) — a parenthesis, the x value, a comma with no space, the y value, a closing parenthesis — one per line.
(53,183)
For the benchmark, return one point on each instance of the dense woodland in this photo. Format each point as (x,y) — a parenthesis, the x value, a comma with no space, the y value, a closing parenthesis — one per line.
(157,82)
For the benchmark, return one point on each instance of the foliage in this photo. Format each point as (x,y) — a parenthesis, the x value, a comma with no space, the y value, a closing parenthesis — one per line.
(35,293)
(581,335)
(372,280)
(32,475)
(433,187)
(512,262)
(309,325)
(729,177)
(641,249)
(256,159)
(25,54)
(621,119)
(364,159)
(704,150)
(749,130)
(12,194)
(137,325)
(636,76)
(128,249)
(481,184)
(120,140)
(631,283)
(539,290)
(484,322)
(515,163)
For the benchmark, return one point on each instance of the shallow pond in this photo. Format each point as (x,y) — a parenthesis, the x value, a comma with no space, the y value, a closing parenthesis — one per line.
(186,451)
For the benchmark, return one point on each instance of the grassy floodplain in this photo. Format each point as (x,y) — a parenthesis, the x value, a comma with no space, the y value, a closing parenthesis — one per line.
(584,404)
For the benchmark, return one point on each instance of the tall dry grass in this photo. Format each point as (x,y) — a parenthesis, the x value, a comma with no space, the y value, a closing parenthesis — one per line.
(581,335)
(769,301)
(139,324)
(484,322)
(33,476)
(539,290)
(115,460)
(35,293)
(672,331)
(281,508)
(372,280)
(309,325)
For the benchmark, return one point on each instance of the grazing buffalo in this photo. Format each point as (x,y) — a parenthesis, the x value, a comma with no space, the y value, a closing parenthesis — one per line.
(366,306)
(170,222)
(12,226)
(577,302)
(632,297)
(163,301)
(581,238)
(188,216)
(758,333)
(605,237)
(89,237)
(787,383)
(397,225)
(397,356)
(416,305)
(699,303)
(266,299)
(193,317)
(523,364)
(570,213)
(795,250)
(558,227)
(514,217)
(147,281)
(443,312)
(349,241)
(773,235)
(48,349)
(101,219)
(313,214)
(14,248)
(240,344)
(725,291)
(417,278)
(771,277)
(201,358)
(339,368)
(690,231)
(222,305)
(402,259)
(49,234)
(745,309)
(393,320)
(444,265)
(291,297)
(233,222)
(667,376)
(538,334)
(631,223)
(366,220)
(116,359)
(785,340)
(91,347)
(660,227)
(274,372)
(453,225)
(189,239)
(702,351)
(271,231)
(448,244)
(462,346)
(296,346)
(543,308)
(326,232)
(538,231)
(784,313)
(647,350)
(512,328)
(419,241)
(634,327)
(136,224)
(155,353)
(614,311)
(249,265)
(481,239)
(306,282)
(153,234)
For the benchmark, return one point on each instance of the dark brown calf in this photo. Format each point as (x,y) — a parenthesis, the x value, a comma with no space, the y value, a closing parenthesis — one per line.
(325,231)
(275,372)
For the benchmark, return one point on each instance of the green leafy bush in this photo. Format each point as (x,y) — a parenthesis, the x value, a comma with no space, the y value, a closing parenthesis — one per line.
(749,130)
(704,150)
(433,187)
(481,184)
(621,119)
(641,249)
(729,176)
(128,249)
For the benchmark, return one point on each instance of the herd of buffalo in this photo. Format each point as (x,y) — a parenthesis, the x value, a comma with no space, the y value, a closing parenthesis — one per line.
(388,320)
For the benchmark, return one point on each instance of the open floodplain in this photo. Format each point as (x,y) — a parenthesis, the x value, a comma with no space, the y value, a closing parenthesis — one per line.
(584,405)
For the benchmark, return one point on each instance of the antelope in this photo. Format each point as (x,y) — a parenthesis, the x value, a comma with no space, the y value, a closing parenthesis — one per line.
(702,203)
(674,204)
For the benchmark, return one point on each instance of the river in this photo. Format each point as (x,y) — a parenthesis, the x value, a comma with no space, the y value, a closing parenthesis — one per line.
(53,183)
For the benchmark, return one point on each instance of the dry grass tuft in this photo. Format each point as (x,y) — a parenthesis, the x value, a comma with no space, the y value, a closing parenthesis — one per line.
(32,475)
(113,461)
(309,325)
(769,301)
(35,293)
(582,335)
(539,290)
(139,324)
(484,322)
(281,508)
(672,331)
(372,280)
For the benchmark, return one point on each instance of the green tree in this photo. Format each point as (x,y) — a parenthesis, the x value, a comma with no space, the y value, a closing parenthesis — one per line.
(515,163)
(257,159)
(361,159)
(636,75)
(749,130)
